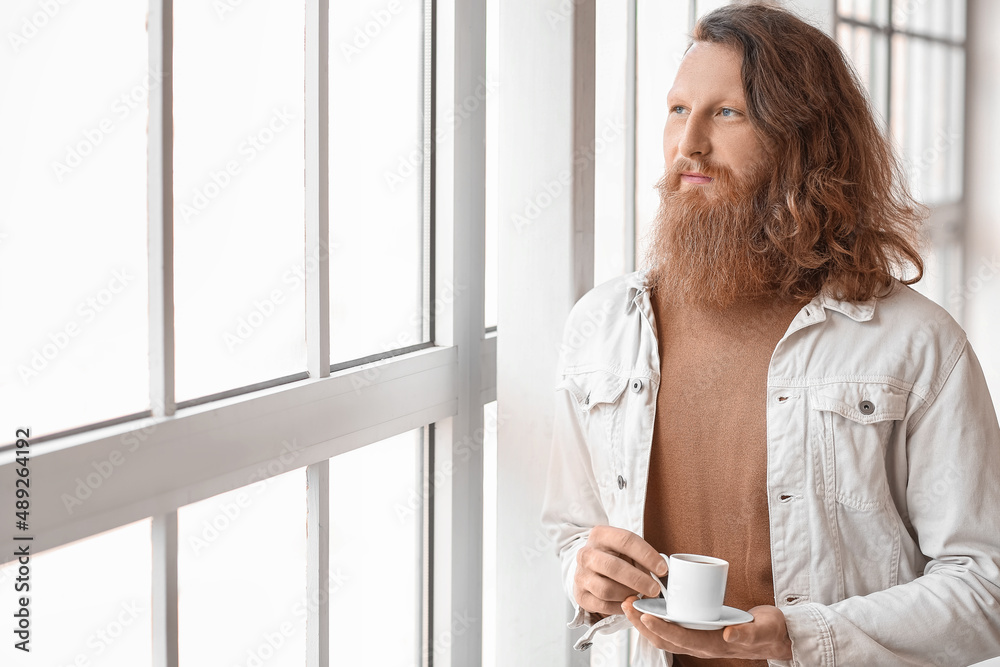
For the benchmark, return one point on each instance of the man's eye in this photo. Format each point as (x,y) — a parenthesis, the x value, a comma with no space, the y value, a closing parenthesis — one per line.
(677,110)
(729,113)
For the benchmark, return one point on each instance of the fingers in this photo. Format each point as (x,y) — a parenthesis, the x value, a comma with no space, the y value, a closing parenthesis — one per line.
(644,624)
(608,589)
(630,545)
(593,561)
(765,637)
(768,629)
(591,602)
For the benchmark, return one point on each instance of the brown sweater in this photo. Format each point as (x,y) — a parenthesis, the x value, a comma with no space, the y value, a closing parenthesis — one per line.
(707,490)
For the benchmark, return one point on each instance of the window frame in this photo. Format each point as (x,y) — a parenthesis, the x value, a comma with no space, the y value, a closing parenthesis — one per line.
(177,454)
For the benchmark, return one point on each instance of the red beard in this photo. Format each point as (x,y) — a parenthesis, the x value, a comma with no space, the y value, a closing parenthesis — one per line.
(708,246)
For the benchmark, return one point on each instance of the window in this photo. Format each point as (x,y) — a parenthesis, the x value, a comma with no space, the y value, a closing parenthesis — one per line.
(282,349)
(911,57)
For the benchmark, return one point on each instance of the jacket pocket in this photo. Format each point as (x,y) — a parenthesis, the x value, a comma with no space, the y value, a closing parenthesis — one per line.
(597,395)
(858,418)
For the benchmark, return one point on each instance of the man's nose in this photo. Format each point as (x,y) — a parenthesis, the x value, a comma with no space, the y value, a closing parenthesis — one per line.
(694,140)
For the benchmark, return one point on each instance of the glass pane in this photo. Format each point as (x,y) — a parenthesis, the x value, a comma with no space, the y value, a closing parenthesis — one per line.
(376,176)
(873,11)
(73,285)
(241,567)
(942,281)
(90,602)
(608,147)
(869,54)
(927,120)
(239,202)
(376,506)
(880,11)
(941,18)
(957,19)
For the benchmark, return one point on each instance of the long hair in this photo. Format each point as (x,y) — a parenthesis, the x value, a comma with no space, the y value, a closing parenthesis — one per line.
(841,210)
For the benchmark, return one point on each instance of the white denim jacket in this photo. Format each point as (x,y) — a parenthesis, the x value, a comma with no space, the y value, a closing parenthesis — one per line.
(883,472)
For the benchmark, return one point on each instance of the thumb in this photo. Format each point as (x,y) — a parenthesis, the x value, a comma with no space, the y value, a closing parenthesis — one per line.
(736,634)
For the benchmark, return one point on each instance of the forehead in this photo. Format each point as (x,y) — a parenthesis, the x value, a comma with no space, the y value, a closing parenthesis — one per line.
(710,70)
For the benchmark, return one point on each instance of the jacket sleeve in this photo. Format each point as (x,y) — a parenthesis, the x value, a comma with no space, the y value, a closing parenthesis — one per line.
(572,507)
(951,614)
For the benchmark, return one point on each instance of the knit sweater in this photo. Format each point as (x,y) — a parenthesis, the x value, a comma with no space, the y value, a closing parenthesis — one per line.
(707,487)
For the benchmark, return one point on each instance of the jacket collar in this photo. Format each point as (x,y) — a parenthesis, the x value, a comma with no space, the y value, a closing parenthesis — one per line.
(636,286)
(859,311)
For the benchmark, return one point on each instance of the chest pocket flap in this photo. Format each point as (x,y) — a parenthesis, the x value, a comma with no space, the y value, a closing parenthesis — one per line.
(593,388)
(861,402)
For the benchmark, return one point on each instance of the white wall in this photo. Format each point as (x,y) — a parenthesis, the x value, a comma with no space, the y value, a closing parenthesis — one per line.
(982,248)
(537,290)
(981,287)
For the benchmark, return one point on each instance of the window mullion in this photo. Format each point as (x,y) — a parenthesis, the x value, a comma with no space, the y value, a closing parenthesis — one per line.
(317,41)
(317,183)
(318,564)
(164,593)
(160,168)
(455,624)
(630,135)
(160,174)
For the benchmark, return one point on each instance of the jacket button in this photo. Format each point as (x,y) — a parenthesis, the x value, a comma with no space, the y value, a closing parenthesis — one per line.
(866,407)
(621,482)
(637,385)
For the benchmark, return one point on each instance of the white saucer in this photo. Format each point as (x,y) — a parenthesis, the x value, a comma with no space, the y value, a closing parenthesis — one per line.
(658,607)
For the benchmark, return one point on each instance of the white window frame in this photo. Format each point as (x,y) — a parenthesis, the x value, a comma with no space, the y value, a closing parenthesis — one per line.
(177,455)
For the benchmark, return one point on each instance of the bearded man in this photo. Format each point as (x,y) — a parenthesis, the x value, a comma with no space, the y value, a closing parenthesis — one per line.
(772,392)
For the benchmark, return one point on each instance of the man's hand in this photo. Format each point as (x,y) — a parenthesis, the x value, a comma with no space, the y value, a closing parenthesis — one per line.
(764,638)
(614,564)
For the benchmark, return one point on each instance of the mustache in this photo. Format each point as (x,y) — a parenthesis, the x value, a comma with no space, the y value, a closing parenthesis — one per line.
(670,183)
(685,165)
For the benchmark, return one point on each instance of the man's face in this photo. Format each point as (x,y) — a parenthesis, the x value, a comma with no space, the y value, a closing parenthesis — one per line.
(710,246)
(708,132)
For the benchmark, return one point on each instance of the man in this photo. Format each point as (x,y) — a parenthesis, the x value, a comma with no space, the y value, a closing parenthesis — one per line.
(769,393)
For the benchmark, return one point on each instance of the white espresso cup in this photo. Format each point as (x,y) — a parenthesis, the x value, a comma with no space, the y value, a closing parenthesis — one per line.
(696,587)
